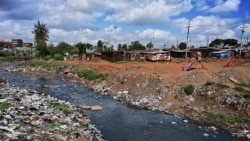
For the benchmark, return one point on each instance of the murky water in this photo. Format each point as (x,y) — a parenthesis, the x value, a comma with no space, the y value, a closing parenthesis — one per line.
(119,122)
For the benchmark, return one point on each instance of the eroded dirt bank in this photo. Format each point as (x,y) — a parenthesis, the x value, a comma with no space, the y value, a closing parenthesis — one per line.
(160,86)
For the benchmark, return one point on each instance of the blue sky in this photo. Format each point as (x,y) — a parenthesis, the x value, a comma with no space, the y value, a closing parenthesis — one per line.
(163,22)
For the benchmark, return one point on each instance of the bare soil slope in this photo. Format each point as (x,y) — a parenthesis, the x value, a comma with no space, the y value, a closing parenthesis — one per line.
(160,86)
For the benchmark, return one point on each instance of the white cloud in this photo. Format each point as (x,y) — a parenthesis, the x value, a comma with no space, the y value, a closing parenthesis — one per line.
(201,5)
(227,6)
(228,34)
(92,20)
(150,12)
(10,30)
(203,27)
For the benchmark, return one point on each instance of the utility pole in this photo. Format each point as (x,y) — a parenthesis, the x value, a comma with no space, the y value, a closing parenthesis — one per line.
(207,41)
(177,43)
(115,37)
(242,32)
(247,39)
(188,27)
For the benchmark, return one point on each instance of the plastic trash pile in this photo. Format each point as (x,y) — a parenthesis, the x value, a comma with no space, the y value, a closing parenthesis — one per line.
(30,115)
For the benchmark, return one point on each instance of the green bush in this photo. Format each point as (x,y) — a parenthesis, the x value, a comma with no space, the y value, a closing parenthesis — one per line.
(48,66)
(90,75)
(58,56)
(189,89)
(247,95)
(47,57)
(87,74)
(239,89)
(208,83)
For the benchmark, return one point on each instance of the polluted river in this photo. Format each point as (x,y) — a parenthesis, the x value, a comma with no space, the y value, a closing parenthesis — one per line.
(118,121)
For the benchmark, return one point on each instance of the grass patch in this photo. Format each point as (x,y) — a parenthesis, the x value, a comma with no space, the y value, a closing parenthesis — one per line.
(48,65)
(62,107)
(222,86)
(87,74)
(189,89)
(239,89)
(208,83)
(122,62)
(226,118)
(102,77)
(247,85)
(242,90)
(90,75)
(4,106)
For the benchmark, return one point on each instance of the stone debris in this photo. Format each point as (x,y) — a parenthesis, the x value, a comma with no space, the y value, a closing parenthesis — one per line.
(29,115)
(93,108)
(233,80)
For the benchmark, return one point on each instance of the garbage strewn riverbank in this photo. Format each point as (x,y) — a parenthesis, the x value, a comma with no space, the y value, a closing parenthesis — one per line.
(156,92)
(26,114)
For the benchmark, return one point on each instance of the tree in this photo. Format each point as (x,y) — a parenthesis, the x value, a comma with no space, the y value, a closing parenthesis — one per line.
(230,42)
(63,47)
(41,33)
(182,45)
(136,45)
(173,47)
(216,43)
(99,46)
(224,42)
(51,49)
(125,47)
(149,45)
(119,48)
(122,47)
(82,48)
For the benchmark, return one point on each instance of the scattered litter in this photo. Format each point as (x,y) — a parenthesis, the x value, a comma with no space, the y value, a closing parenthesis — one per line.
(174,123)
(205,134)
(27,110)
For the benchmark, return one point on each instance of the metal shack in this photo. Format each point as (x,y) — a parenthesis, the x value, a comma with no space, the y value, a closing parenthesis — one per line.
(221,54)
(158,56)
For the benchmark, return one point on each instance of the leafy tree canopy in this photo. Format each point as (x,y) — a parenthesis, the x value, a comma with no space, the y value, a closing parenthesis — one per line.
(150,45)
(41,33)
(182,45)
(122,47)
(136,46)
(63,47)
(223,42)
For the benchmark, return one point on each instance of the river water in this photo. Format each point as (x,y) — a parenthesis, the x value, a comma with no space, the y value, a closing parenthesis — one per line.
(117,121)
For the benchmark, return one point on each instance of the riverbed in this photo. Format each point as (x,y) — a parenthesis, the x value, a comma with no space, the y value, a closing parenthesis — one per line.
(118,121)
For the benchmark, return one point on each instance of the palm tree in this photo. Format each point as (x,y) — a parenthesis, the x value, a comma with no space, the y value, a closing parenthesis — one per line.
(41,33)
